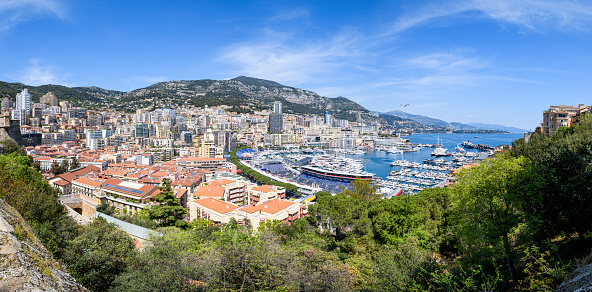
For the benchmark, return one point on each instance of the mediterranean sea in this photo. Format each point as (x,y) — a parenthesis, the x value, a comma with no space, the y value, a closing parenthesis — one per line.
(378,162)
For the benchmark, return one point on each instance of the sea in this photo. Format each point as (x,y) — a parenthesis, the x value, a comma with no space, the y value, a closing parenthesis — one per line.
(378,162)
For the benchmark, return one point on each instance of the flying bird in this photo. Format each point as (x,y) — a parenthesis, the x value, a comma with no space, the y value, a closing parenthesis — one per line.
(404,105)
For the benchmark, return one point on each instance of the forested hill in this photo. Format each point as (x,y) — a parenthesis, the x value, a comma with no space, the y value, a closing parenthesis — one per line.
(242,93)
(84,96)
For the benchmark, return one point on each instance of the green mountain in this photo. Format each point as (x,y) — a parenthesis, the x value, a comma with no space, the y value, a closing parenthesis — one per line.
(242,93)
(456,126)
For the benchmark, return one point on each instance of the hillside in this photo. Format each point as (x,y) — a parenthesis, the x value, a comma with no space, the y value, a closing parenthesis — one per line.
(454,125)
(25,263)
(242,93)
(87,96)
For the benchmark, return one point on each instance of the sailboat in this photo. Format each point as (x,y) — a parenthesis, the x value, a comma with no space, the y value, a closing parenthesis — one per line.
(440,151)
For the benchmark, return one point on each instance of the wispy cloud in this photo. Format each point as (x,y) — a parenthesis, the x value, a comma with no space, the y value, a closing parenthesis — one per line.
(14,12)
(291,15)
(528,15)
(446,62)
(38,74)
(284,59)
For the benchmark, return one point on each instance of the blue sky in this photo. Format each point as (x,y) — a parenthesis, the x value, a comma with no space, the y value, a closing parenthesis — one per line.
(497,61)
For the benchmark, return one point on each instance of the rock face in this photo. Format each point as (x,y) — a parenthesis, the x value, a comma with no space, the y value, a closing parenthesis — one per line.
(25,264)
(581,282)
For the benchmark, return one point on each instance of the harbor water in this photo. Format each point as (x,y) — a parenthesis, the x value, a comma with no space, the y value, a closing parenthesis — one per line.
(378,162)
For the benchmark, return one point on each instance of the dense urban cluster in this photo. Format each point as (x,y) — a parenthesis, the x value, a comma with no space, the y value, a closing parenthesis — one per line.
(177,200)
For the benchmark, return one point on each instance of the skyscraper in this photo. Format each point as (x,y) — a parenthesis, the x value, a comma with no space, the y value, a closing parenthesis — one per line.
(24,101)
(276,120)
(327,117)
(277,107)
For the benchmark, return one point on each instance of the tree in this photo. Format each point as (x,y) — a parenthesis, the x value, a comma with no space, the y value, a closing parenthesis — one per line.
(168,211)
(74,163)
(422,216)
(565,204)
(487,200)
(60,168)
(363,190)
(97,256)
(11,146)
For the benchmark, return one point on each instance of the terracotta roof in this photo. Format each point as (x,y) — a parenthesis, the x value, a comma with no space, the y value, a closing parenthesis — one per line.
(220,182)
(184,182)
(216,205)
(209,191)
(265,188)
(89,182)
(201,159)
(271,206)
(61,182)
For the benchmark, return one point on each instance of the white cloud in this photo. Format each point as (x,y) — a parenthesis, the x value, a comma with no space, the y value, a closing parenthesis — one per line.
(279,60)
(446,62)
(528,15)
(14,12)
(37,74)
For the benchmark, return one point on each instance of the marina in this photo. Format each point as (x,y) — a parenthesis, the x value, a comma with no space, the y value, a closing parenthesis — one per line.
(402,168)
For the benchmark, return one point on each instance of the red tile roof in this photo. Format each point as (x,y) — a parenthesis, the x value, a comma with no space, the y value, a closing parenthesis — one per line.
(216,205)
(271,206)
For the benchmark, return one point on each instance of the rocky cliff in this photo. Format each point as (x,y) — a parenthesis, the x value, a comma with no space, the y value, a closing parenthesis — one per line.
(25,264)
(581,282)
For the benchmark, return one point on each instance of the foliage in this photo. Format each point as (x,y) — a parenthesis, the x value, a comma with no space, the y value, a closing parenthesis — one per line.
(487,203)
(97,256)
(422,217)
(363,190)
(74,163)
(59,168)
(11,146)
(542,272)
(564,205)
(168,211)
(230,260)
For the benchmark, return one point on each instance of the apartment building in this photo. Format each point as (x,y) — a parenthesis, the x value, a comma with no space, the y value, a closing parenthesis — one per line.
(221,212)
(201,163)
(264,193)
(558,116)
(125,195)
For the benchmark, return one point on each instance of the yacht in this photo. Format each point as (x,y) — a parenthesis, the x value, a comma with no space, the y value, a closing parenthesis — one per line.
(394,150)
(440,152)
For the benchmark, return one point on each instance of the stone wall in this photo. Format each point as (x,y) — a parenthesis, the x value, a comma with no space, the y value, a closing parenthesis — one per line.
(10,129)
(25,264)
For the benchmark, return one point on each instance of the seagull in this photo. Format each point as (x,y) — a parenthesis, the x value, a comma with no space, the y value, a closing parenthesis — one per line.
(404,105)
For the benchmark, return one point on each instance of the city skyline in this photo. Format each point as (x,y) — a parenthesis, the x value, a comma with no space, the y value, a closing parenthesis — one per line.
(470,61)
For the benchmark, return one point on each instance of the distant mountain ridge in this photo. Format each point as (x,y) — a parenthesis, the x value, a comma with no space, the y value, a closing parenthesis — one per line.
(453,125)
(242,94)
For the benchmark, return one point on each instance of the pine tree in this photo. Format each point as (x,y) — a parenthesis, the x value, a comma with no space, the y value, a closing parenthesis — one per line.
(168,211)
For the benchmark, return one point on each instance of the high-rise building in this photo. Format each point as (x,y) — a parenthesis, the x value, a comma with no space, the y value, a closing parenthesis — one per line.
(327,118)
(276,119)
(24,101)
(49,98)
(142,130)
(21,115)
(277,107)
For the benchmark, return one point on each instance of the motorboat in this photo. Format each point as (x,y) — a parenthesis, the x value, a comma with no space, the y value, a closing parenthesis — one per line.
(440,152)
